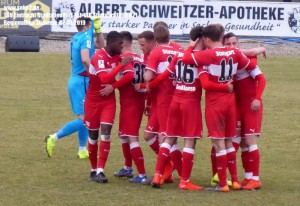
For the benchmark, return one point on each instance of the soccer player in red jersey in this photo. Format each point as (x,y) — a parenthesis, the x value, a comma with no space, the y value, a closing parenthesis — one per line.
(100,110)
(184,118)
(132,105)
(220,64)
(147,44)
(158,61)
(248,88)
(171,43)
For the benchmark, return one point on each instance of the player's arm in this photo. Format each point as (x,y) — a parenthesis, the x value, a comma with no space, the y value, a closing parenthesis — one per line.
(212,86)
(99,42)
(109,88)
(127,78)
(255,51)
(261,84)
(151,67)
(85,58)
(154,82)
(188,57)
(107,78)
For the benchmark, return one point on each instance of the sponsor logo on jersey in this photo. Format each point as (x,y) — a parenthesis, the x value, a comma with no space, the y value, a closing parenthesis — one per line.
(88,44)
(225,53)
(185,88)
(101,64)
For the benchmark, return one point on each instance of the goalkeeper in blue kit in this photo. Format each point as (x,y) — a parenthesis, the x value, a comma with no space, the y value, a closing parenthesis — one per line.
(82,49)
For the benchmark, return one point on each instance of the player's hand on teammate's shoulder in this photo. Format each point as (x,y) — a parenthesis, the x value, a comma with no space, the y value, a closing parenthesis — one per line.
(108,89)
(126,60)
(230,86)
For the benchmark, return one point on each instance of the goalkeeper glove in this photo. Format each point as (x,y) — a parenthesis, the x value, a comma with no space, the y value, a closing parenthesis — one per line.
(97,25)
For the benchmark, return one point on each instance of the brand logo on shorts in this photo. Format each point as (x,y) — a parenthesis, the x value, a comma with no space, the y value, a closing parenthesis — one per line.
(294,20)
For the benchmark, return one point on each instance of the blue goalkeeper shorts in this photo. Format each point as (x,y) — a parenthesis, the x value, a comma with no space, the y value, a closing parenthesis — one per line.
(77,87)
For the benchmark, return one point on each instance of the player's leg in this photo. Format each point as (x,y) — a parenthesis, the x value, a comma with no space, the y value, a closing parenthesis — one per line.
(107,120)
(230,132)
(92,122)
(245,162)
(215,122)
(187,165)
(151,131)
(126,171)
(221,162)
(162,160)
(93,151)
(254,160)
(138,158)
(252,132)
(77,95)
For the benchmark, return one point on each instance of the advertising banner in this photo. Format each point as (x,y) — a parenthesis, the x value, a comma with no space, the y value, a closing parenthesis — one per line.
(242,18)
(25,15)
(274,19)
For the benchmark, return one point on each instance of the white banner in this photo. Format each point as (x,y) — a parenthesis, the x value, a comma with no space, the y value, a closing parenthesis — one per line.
(242,18)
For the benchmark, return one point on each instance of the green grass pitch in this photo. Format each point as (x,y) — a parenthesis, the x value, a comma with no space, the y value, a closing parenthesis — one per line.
(34,102)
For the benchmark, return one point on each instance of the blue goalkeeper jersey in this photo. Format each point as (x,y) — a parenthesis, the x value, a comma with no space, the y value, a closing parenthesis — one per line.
(80,41)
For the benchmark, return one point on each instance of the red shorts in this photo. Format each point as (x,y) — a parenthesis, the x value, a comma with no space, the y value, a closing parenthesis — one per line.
(185,120)
(221,120)
(250,121)
(162,116)
(152,124)
(100,112)
(131,115)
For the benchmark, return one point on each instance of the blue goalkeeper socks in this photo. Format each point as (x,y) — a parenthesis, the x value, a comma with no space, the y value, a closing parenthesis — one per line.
(70,128)
(82,136)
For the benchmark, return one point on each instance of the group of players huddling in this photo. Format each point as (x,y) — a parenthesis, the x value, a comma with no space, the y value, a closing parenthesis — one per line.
(165,83)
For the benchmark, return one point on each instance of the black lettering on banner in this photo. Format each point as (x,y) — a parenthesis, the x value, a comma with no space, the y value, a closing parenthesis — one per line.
(240,12)
(280,14)
(248,27)
(223,13)
(135,10)
(223,76)
(264,13)
(232,10)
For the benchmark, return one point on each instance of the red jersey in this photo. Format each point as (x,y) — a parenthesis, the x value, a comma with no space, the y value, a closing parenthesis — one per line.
(221,64)
(188,85)
(158,61)
(176,46)
(101,62)
(245,86)
(136,66)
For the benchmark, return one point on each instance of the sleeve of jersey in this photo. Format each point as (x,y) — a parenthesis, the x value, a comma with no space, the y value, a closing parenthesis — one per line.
(86,43)
(211,86)
(152,62)
(128,76)
(188,56)
(107,78)
(158,79)
(261,84)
